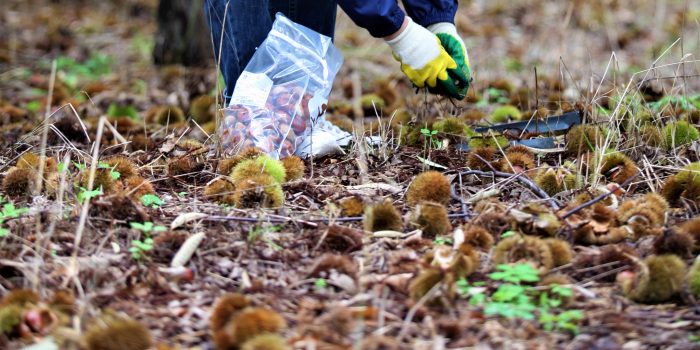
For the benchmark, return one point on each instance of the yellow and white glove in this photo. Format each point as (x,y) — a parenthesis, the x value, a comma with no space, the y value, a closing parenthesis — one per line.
(454,45)
(426,62)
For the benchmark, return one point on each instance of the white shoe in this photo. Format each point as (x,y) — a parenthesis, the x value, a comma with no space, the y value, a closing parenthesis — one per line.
(323,139)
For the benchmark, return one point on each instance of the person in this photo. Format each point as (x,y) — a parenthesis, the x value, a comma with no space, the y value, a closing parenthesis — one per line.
(423,39)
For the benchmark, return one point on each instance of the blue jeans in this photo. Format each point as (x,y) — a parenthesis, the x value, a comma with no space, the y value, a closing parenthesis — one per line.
(246,23)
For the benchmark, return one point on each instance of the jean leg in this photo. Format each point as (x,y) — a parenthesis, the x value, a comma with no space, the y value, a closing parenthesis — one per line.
(318,15)
(244,25)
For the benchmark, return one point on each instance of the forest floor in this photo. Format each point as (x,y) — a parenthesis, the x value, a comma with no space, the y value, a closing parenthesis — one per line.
(630,68)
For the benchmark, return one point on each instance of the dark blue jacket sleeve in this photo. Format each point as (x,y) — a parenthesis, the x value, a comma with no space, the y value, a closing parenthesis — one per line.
(381,17)
(427,12)
(384,17)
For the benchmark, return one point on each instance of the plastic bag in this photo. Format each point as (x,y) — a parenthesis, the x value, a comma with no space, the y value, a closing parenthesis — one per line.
(284,87)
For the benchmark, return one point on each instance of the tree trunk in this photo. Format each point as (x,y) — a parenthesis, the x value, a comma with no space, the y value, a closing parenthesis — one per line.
(183,35)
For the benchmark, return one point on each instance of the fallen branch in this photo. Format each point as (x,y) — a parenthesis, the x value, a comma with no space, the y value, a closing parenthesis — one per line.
(599,198)
(587,282)
(523,180)
(460,199)
(310,222)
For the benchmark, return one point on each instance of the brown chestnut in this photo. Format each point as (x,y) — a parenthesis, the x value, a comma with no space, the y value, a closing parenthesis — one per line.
(299,124)
(283,128)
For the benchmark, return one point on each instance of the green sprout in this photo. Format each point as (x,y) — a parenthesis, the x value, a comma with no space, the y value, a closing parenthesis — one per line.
(429,134)
(151,200)
(511,300)
(475,292)
(497,95)
(84,194)
(73,72)
(683,102)
(33,106)
(508,234)
(566,320)
(463,287)
(561,291)
(442,240)
(515,273)
(147,227)
(522,310)
(259,232)
(114,111)
(139,248)
(79,166)
(9,211)
(320,283)
(115,175)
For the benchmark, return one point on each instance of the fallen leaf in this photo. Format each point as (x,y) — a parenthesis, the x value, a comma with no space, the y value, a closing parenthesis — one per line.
(186,250)
(185,218)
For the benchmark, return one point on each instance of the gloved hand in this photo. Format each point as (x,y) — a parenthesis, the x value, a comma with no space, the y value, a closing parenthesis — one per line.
(425,61)
(454,45)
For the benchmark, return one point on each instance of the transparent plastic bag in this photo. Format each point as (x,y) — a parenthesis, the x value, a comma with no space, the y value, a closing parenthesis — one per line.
(284,87)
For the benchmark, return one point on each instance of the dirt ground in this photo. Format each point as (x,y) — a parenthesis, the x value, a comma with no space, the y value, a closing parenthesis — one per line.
(561,55)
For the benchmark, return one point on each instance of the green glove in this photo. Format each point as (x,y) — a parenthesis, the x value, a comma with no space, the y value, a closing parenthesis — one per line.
(423,59)
(460,77)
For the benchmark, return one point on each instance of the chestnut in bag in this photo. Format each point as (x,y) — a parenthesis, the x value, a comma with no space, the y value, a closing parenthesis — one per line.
(282,91)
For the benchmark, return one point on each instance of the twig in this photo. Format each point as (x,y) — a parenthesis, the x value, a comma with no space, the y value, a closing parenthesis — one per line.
(56,212)
(598,199)
(321,240)
(414,309)
(40,174)
(583,291)
(461,192)
(45,135)
(86,202)
(586,282)
(483,194)
(217,115)
(537,90)
(393,234)
(523,180)
(453,194)
(359,128)
(116,133)
(597,267)
(309,222)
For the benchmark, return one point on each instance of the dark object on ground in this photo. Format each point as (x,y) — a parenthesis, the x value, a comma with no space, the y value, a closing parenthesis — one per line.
(552,125)
(182,36)
(555,124)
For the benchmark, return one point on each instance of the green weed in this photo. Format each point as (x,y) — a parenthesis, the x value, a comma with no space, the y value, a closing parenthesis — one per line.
(84,194)
(259,232)
(442,240)
(514,298)
(320,283)
(151,200)
(73,72)
(147,227)
(114,110)
(139,248)
(9,211)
